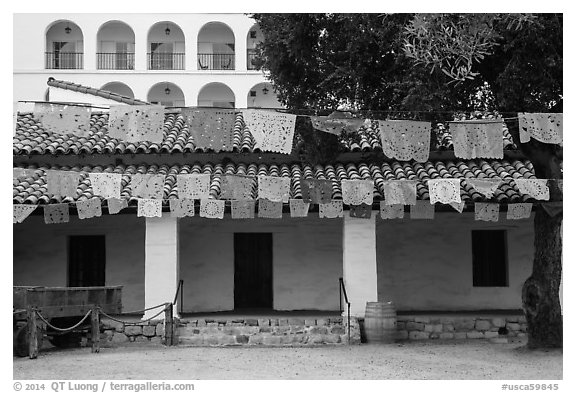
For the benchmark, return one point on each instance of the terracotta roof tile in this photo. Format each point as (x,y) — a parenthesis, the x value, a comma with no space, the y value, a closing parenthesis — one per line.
(33,190)
(95,92)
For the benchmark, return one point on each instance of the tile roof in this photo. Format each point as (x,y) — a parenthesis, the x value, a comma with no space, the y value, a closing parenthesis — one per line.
(33,190)
(95,92)
(32,139)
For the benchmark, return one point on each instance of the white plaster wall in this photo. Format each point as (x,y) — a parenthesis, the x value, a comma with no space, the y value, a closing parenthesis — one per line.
(115,31)
(63,95)
(427,264)
(307,262)
(40,253)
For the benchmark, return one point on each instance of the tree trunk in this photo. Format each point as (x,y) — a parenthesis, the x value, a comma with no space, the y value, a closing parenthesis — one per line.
(540,293)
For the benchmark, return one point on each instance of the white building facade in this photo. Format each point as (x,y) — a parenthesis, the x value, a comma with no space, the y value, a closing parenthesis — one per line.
(172,59)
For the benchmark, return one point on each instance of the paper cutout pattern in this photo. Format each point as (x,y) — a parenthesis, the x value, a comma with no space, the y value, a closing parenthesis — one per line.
(115,205)
(336,125)
(486,187)
(388,212)
(274,188)
(149,207)
(333,209)
(361,211)
(459,207)
(518,211)
(21,212)
(212,128)
(106,185)
(62,183)
(478,139)
(243,209)
(181,207)
(269,209)
(552,208)
(236,187)
(272,131)
(400,192)
(422,210)
(21,173)
(136,123)
(193,186)
(444,191)
(299,208)
(57,213)
(89,208)
(316,191)
(405,139)
(64,119)
(147,186)
(357,192)
(212,208)
(544,127)
(486,211)
(535,188)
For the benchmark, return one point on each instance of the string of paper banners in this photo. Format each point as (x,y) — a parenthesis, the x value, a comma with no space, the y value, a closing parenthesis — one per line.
(273,192)
(212,128)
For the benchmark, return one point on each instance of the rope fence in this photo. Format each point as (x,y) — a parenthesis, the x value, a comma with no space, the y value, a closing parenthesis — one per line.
(62,329)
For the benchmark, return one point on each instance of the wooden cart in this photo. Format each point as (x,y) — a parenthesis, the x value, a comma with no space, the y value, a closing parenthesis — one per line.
(62,307)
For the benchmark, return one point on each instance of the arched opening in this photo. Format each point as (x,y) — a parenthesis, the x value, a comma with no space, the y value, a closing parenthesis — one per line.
(216,95)
(254,37)
(119,88)
(167,94)
(262,96)
(216,47)
(116,45)
(64,46)
(166,47)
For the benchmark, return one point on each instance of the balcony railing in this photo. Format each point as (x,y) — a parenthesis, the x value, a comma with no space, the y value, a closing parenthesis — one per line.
(166,61)
(64,60)
(251,59)
(216,61)
(115,61)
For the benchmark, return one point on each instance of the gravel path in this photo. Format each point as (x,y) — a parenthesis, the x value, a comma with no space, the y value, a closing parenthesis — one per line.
(473,359)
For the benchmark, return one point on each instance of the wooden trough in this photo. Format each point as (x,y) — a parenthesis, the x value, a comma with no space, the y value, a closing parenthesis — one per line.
(62,307)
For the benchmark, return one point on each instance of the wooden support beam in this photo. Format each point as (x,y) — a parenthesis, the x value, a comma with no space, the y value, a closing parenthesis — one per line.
(95,319)
(32,333)
(169,324)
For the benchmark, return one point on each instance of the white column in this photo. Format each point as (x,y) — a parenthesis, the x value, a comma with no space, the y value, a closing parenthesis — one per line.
(360,272)
(140,51)
(89,49)
(161,263)
(240,49)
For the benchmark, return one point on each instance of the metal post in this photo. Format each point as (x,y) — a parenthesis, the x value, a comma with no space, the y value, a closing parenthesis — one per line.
(349,327)
(32,333)
(95,319)
(181,296)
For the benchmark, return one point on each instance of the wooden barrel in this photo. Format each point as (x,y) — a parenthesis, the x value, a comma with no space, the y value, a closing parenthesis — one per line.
(380,322)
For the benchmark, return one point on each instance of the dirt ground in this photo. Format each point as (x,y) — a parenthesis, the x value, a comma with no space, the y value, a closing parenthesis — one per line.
(472,359)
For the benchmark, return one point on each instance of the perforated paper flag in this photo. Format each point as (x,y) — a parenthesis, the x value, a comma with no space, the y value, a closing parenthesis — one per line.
(298,208)
(62,183)
(272,131)
(269,209)
(316,191)
(147,186)
(56,214)
(459,207)
(64,119)
(89,208)
(400,192)
(478,139)
(211,128)
(334,209)
(22,173)
(357,192)
(486,211)
(274,188)
(422,210)
(182,207)
(136,123)
(193,186)
(243,209)
(106,185)
(486,187)
(21,212)
(149,208)
(444,191)
(236,186)
(544,127)
(535,188)
(518,211)
(361,211)
(115,205)
(388,212)
(405,140)
(212,208)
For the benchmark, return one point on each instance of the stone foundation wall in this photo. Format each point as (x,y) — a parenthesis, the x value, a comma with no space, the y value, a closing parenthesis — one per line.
(460,327)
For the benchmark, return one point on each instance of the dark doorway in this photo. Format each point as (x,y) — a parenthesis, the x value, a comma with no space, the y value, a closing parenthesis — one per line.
(252,270)
(86,261)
